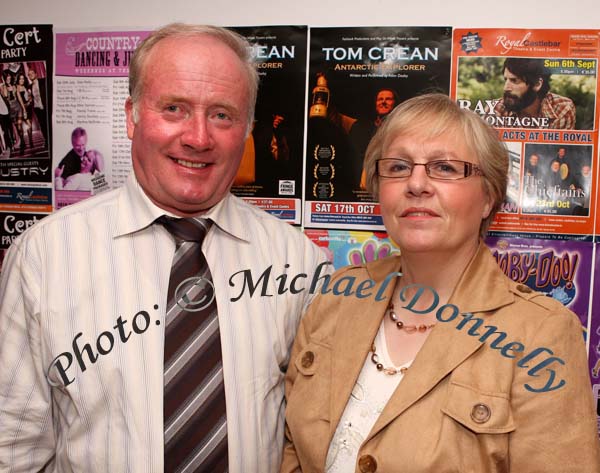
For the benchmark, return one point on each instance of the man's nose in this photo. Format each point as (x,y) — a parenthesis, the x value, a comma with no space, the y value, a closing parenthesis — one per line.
(197,133)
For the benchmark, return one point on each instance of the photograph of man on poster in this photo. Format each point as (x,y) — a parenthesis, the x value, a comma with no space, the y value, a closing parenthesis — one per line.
(527,94)
(530,93)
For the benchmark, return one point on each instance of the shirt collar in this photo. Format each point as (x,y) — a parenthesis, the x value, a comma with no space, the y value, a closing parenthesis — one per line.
(136,212)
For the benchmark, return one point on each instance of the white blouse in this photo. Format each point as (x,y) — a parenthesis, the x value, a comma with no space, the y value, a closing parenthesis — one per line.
(371,393)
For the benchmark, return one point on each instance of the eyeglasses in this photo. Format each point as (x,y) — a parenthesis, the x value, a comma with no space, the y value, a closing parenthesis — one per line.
(446,170)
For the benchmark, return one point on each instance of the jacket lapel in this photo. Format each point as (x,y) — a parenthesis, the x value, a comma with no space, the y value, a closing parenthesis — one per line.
(479,290)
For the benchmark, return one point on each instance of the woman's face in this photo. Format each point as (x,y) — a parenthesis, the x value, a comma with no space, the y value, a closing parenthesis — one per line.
(21,79)
(86,163)
(424,215)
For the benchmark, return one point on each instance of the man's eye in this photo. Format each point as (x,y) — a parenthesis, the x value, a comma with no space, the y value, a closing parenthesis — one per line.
(172,108)
(222,116)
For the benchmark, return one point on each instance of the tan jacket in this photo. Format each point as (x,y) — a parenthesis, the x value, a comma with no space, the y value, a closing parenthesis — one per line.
(463,405)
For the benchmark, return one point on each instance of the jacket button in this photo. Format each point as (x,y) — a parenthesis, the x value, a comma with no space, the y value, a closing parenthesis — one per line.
(524,289)
(480,413)
(367,464)
(307,359)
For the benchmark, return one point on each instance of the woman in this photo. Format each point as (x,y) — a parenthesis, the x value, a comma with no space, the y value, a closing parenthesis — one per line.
(26,110)
(10,93)
(436,370)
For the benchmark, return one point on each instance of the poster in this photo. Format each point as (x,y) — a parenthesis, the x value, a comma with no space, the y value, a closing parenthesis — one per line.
(25,120)
(349,247)
(91,148)
(356,78)
(558,268)
(270,175)
(11,226)
(594,338)
(538,88)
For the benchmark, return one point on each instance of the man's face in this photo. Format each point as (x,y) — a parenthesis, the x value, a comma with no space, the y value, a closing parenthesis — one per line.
(31,75)
(555,166)
(561,152)
(586,170)
(533,159)
(517,94)
(384,102)
(192,119)
(79,143)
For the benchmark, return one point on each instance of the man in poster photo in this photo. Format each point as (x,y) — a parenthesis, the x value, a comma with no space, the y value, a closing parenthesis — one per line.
(71,163)
(527,94)
(98,369)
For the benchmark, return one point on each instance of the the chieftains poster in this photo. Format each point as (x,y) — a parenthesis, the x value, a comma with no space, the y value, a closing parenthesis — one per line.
(356,78)
(270,174)
(538,88)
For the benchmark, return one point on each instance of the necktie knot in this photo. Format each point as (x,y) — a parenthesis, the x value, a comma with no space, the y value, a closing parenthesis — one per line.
(186,229)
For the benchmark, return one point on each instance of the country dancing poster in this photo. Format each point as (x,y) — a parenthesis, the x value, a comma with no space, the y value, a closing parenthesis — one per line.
(538,89)
(91,148)
(25,120)
(356,78)
(270,174)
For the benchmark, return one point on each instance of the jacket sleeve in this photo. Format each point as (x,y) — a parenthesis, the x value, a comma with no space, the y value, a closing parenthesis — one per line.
(26,431)
(552,402)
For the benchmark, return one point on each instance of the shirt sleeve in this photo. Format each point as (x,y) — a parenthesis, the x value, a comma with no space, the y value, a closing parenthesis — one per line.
(26,433)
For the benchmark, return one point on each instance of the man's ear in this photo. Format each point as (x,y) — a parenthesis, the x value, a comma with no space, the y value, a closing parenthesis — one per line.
(538,84)
(131,117)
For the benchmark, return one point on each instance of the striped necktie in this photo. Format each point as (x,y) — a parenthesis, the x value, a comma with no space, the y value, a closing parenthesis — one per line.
(194,399)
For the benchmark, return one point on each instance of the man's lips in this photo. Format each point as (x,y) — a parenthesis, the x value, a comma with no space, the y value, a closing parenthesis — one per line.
(190,164)
(418,212)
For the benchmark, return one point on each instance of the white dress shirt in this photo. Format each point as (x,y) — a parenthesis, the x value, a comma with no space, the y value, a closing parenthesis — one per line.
(97,273)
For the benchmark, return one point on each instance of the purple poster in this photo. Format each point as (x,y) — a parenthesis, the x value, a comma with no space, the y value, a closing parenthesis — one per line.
(559,268)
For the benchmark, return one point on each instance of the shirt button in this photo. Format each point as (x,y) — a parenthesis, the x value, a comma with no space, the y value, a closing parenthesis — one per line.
(524,289)
(307,359)
(367,464)
(480,413)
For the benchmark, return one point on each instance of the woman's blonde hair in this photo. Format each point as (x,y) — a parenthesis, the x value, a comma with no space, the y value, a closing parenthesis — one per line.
(433,115)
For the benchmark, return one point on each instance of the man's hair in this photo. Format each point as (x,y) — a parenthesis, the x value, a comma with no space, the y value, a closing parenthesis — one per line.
(231,39)
(529,71)
(434,115)
(77,132)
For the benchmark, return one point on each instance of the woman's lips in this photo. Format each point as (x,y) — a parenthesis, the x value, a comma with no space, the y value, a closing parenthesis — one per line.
(419,212)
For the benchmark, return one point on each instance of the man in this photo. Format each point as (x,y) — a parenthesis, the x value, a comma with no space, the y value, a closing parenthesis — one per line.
(363,130)
(527,94)
(82,318)
(71,163)
(531,168)
(38,90)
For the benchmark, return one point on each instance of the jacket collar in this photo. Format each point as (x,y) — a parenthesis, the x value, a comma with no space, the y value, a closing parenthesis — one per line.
(481,288)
